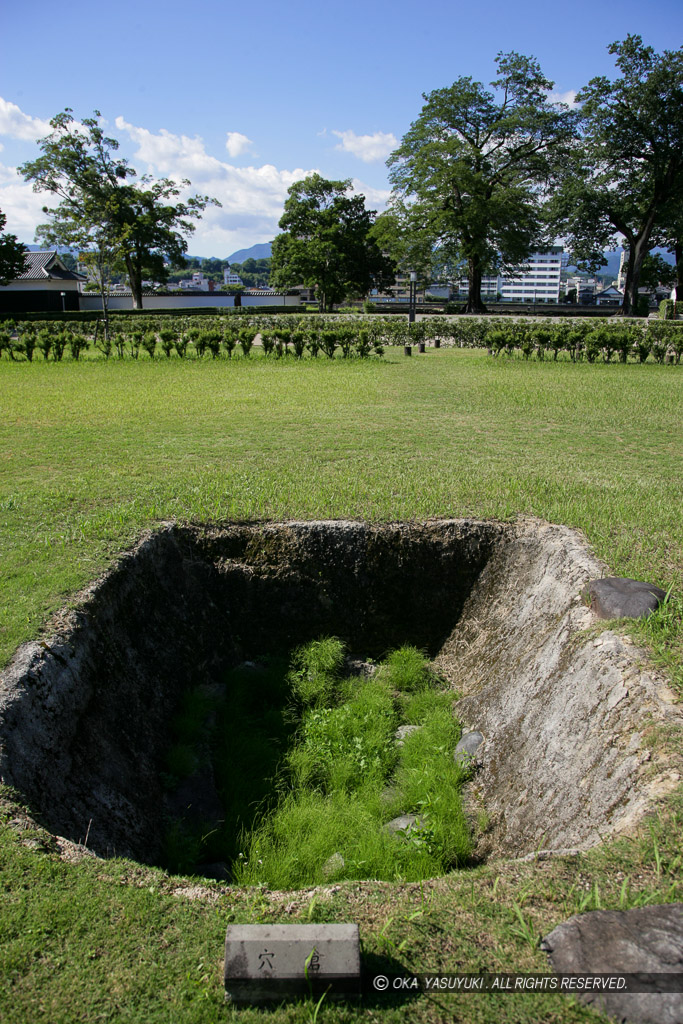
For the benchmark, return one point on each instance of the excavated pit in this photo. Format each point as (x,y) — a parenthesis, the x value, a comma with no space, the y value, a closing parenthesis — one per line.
(567,714)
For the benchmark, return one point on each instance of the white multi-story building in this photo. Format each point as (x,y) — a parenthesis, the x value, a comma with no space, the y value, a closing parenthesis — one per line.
(231,278)
(537,280)
(197,283)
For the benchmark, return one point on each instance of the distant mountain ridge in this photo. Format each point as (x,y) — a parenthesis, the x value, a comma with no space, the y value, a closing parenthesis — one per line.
(260,251)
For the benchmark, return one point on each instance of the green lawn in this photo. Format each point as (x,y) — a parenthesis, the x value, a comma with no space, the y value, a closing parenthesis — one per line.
(94,452)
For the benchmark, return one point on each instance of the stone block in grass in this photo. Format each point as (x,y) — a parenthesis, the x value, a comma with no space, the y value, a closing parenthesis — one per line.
(271,962)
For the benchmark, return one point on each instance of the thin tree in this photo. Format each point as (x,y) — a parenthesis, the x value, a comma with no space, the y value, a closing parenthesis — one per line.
(95,188)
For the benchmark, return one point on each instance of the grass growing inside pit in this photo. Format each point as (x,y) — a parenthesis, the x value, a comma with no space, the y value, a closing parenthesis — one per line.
(346,777)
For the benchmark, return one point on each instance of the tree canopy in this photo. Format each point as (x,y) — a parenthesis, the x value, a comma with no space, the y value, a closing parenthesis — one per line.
(102,209)
(12,255)
(326,243)
(625,175)
(471,174)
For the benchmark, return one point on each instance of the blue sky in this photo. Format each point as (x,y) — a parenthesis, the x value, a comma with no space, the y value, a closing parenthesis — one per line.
(244,100)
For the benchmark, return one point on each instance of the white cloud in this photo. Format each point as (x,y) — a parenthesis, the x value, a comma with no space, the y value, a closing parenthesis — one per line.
(252,198)
(21,205)
(375,198)
(568,97)
(369,148)
(237,143)
(18,125)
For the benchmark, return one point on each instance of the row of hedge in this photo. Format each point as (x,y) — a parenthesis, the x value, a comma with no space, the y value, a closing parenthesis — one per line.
(659,340)
(180,338)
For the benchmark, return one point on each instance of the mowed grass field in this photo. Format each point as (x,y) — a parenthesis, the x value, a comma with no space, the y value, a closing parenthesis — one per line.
(94,452)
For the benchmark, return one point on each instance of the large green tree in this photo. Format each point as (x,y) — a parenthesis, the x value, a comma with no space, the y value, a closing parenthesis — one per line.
(12,255)
(100,199)
(626,170)
(326,243)
(471,174)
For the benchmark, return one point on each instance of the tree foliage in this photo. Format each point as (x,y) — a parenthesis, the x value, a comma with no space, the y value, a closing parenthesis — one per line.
(669,235)
(470,175)
(626,171)
(326,243)
(12,255)
(139,222)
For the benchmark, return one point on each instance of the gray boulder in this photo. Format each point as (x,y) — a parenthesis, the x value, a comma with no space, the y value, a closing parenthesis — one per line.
(403,732)
(617,597)
(468,746)
(333,865)
(645,940)
(400,824)
(358,667)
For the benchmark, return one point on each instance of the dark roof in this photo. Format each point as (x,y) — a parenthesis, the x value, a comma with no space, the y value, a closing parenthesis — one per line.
(611,290)
(45,265)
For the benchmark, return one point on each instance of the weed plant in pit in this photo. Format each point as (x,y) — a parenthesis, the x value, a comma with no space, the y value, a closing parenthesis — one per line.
(408,671)
(345,746)
(346,777)
(316,671)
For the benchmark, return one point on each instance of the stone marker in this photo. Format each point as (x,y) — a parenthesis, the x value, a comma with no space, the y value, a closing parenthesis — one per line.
(645,940)
(468,745)
(265,962)
(617,597)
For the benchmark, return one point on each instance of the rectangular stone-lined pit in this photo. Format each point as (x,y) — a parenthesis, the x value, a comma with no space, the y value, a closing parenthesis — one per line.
(85,715)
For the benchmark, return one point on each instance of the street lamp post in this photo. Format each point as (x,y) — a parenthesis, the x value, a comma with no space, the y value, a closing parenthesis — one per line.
(63,294)
(407,348)
(411,302)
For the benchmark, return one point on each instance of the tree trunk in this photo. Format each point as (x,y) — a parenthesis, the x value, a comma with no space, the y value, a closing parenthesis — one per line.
(135,280)
(474,276)
(638,248)
(636,255)
(102,270)
(678,287)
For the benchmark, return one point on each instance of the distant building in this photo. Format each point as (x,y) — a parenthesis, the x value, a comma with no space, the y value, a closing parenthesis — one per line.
(197,283)
(399,290)
(229,277)
(536,280)
(586,289)
(609,297)
(46,285)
